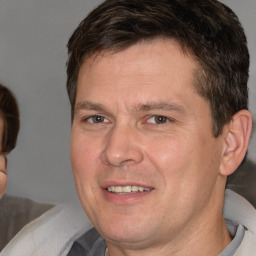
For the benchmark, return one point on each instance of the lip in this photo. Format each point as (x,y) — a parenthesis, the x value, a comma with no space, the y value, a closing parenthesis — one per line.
(126,198)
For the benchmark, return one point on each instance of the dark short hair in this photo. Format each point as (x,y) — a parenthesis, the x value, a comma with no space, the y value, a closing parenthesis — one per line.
(206,29)
(9,112)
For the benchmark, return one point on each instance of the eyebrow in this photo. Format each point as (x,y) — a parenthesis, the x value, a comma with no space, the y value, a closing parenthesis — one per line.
(87,105)
(160,106)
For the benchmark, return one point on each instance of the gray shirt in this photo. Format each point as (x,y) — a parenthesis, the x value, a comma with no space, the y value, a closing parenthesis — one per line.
(238,234)
(15,213)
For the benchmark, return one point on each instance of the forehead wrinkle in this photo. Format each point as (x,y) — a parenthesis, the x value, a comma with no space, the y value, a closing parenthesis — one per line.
(87,105)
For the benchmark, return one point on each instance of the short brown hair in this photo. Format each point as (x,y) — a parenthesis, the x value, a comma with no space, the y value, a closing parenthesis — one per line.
(206,29)
(9,112)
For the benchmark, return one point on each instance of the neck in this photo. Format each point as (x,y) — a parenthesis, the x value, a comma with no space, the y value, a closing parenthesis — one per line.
(195,244)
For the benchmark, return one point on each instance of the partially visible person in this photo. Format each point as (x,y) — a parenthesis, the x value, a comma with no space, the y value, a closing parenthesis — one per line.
(9,128)
(28,227)
(15,212)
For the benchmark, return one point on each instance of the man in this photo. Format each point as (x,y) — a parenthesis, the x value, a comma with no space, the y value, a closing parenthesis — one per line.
(158,91)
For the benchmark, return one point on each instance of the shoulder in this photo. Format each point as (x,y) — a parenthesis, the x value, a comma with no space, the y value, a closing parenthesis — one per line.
(15,213)
(52,233)
(239,211)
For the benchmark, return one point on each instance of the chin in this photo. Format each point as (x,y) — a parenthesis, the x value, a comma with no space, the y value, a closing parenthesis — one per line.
(125,230)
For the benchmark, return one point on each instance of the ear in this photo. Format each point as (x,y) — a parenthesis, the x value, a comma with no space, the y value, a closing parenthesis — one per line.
(3,175)
(236,139)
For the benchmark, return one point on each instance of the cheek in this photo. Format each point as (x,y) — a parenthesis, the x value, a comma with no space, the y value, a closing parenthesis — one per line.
(3,183)
(171,160)
(3,176)
(84,156)
(84,169)
(169,153)
(184,162)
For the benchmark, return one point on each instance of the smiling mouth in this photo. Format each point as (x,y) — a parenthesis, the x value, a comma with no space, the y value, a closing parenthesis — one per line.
(126,189)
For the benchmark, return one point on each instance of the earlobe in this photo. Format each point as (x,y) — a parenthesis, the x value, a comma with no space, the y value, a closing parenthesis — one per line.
(236,141)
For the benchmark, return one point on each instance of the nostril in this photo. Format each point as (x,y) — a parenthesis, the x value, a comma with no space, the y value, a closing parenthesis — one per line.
(106,162)
(128,161)
(117,160)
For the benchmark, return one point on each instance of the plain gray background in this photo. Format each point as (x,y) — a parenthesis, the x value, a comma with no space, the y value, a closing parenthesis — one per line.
(33,38)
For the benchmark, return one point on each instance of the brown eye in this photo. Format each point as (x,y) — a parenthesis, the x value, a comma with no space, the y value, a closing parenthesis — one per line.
(96,119)
(158,119)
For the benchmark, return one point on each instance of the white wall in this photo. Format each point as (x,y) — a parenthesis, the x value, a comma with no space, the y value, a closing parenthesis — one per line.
(33,41)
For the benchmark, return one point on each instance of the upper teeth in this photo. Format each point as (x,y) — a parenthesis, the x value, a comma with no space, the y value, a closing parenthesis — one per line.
(126,189)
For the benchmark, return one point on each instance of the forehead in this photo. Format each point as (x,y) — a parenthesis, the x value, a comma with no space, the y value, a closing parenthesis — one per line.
(159,46)
(145,63)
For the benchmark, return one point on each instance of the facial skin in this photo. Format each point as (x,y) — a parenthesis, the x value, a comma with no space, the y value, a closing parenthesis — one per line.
(139,122)
(3,176)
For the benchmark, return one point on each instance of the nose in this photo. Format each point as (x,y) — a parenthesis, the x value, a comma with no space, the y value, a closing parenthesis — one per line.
(122,147)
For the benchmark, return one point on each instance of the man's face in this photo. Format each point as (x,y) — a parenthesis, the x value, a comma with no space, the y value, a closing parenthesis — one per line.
(144,158)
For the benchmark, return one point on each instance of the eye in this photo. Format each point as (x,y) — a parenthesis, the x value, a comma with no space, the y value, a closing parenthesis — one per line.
(158,119)
(96,119)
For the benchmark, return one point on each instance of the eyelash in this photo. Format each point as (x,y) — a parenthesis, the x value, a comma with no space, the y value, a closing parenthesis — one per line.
(163,119)
(96,119)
